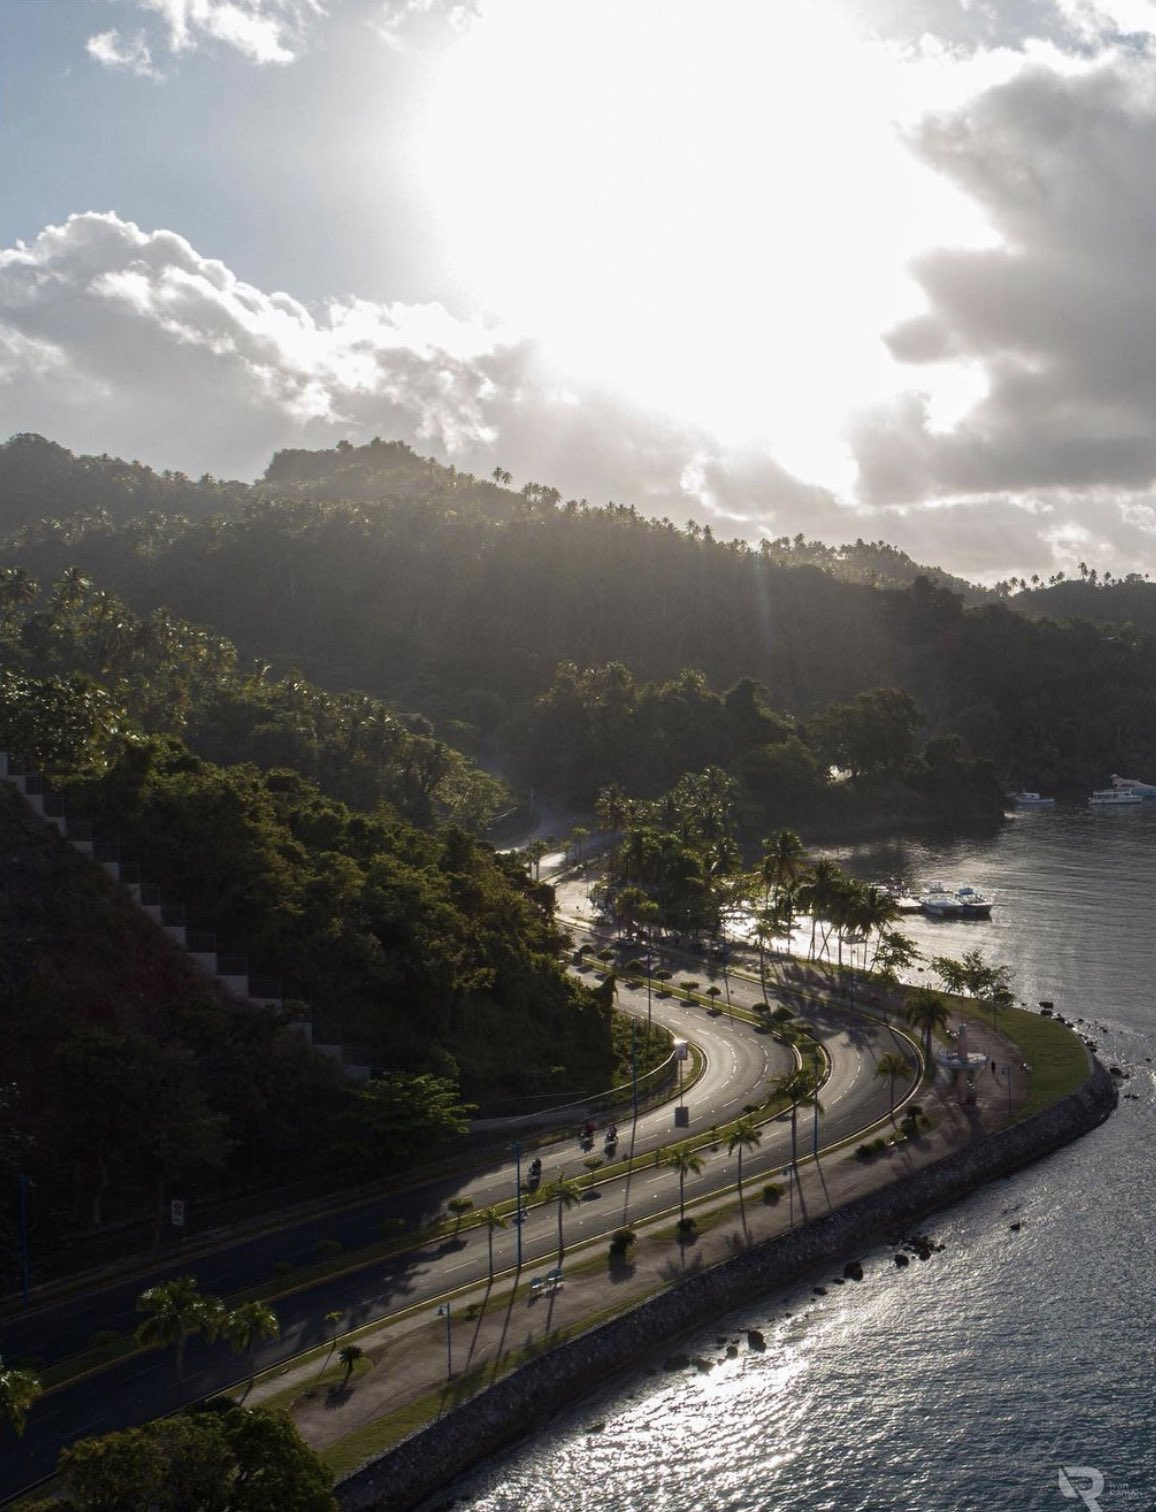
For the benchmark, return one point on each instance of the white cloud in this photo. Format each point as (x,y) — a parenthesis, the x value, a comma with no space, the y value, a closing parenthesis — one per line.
(264,31)
(120,340)
(115,51)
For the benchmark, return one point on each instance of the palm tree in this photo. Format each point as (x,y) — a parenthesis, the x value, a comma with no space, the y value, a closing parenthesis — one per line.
(784,861)
(534,853)
(685,1162)
(926,1011)
(491,1217)
(745,1135)
(799,1087)
(892,1065)
(18,1390)
(565,1193)
(332,1319)
(176,1310)
(246,1326)
(817,893)
(349,1354)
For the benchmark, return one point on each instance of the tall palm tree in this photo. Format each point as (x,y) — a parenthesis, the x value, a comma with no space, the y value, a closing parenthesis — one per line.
(784,860)
(247,1326)
(685,1162)
(926,1011)
(799,1087)
(746,1135)
(176,1310)
(493,1219)
(565,1193)
(18,1390)
(818,892)
(892,1065)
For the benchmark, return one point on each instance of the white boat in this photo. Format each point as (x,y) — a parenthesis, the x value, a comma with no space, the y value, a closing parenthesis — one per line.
(966,902)
(1115,798)
(1133,785)
(1035,800)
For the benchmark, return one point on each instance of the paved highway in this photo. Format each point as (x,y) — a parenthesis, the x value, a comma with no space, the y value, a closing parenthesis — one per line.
(739,1059)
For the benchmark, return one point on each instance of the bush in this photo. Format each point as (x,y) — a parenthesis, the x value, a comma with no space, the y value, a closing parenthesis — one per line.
(774,1190)
(328,1249)
(687,1225)
(622,1241)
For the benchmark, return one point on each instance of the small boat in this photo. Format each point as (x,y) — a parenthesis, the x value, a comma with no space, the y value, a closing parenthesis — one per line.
(1032,800)
(1115,797)
(966,902)
(1133,785)
(972,903)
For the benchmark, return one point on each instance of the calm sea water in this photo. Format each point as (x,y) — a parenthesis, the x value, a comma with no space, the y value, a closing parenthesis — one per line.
(972,1380)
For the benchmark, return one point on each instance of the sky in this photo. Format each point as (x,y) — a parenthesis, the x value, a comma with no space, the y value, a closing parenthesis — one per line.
(850,268)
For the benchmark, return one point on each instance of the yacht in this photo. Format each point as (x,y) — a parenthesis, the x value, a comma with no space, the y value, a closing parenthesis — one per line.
(1115,797)
(1133,785)
(966,902)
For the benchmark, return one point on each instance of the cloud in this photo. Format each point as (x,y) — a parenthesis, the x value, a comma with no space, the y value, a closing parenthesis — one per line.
(115,339)
(115,51)
(966,26)
(1058,316)
(264,31)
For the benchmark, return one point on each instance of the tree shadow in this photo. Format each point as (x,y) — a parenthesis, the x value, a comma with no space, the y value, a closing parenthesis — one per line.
(338,1395)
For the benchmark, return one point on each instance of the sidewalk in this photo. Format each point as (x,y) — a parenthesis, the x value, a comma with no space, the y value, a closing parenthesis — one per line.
(408,1357)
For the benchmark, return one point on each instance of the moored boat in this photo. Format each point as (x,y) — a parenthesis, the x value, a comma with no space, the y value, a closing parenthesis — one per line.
(942,902)
(1034,800)
(1115,797)
(1134,785)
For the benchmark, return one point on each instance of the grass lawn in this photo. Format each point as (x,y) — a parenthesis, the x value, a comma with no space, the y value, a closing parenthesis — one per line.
(1058,1058)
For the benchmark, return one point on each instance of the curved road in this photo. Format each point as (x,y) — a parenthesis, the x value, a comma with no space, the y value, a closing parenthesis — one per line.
(739,1059)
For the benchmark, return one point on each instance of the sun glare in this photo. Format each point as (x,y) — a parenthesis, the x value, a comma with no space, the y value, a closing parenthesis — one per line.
(703,208)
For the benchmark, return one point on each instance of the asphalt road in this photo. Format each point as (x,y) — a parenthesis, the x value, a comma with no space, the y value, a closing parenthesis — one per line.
(739,1059)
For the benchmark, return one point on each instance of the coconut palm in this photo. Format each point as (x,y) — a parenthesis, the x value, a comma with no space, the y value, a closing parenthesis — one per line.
(784,860)
(493,1219)
(927,1012)
(798,1087)
(565,1193)
(349,1354)
(18,1390)
(892,1065)
(247,1326)
(745,1135)
(685,1162)
(176,1310)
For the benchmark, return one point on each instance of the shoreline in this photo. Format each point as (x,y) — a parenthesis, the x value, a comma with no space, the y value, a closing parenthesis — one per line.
(514,1408)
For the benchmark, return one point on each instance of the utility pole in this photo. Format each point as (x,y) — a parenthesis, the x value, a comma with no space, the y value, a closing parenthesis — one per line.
(518,1200)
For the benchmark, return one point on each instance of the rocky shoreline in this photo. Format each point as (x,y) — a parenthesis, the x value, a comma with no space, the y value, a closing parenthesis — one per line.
(516,1406)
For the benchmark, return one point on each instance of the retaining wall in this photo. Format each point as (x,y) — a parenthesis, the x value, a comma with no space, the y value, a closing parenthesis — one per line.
(516,1405)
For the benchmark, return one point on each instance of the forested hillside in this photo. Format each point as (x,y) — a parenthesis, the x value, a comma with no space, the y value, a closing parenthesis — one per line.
(373,569)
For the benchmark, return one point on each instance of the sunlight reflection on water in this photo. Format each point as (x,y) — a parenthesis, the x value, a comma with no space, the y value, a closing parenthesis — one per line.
(967,1380)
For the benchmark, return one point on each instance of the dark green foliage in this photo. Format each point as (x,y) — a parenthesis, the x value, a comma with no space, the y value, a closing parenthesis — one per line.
(433,951)
(213,1459)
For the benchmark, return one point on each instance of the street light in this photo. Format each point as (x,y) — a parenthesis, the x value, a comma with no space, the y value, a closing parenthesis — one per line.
(1005,1072)
(445,1311)
(518,1200)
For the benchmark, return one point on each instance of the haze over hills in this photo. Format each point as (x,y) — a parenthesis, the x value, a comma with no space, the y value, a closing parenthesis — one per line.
(371,568)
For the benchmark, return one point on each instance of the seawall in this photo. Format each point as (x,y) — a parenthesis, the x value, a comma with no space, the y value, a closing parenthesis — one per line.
(514,1406)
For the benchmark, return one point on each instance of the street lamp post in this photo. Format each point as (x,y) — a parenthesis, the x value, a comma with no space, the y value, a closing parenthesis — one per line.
(518,1200)
(446,1311)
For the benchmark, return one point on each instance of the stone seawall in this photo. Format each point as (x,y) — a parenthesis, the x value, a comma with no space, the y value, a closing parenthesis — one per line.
(516,1405)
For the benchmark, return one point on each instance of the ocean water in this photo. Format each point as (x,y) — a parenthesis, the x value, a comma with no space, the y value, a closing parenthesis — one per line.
(1016,1368)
